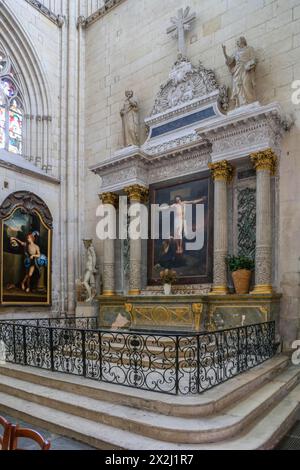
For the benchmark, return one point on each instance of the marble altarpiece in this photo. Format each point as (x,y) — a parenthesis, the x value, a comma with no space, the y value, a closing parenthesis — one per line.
(195,133)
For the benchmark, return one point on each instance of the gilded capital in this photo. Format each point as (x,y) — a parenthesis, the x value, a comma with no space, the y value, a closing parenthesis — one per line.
(265,160)
(221,171)
(110,198)
(137,193)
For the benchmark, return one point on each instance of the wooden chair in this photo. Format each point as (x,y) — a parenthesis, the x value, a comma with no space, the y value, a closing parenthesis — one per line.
(17,432)
(6,436)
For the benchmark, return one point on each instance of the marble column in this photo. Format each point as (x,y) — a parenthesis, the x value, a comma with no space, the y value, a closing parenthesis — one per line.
(109,251)
(137,194)
(265,163)
(222,173)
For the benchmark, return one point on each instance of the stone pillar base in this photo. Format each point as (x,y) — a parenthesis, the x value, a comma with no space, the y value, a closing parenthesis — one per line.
(219,290)
(134,292)
(109,293)
(263,289)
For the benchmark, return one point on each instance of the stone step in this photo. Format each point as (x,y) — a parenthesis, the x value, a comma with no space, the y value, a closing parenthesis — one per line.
(150,424)
(211,402)
(265,434)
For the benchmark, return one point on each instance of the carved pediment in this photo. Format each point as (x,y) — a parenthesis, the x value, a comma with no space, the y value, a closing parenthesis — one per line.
(186,83)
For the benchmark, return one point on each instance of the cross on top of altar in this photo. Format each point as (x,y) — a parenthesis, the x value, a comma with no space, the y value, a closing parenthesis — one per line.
(180,25)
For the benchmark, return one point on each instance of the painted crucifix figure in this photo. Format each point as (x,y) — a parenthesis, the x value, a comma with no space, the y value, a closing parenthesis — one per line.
(180,25)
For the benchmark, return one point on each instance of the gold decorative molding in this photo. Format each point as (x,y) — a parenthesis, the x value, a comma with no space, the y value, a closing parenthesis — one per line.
(110,198)
(265,160)
(108,293)
(262,289)
(221,171)
(197,310)
(219,290)
(137,193)
(128,309)
(134,292)
(162,314)
(265,311)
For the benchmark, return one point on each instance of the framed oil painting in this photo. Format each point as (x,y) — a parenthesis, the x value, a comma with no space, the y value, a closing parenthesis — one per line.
(177,251)
(26,239)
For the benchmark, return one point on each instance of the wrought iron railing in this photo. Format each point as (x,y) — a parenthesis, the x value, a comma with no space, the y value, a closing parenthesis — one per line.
(172,363)
(57,322)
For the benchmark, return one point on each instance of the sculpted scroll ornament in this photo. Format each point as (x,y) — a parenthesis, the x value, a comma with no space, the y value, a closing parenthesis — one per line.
(187,82)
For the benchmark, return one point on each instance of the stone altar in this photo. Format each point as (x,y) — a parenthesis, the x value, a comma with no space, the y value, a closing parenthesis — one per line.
(189,312)
(191,132)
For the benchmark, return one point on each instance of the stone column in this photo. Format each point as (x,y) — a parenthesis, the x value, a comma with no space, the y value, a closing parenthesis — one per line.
(109,251)
(137,194)
(222,173)
(265,164)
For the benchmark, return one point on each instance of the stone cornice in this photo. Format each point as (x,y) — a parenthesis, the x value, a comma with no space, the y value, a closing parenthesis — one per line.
(17,163)
(32,173)
(107,7)
(247,130)
(132,166)
(138,156)
(59,20)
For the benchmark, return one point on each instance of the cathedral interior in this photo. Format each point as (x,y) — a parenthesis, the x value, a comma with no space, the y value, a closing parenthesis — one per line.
(150,223)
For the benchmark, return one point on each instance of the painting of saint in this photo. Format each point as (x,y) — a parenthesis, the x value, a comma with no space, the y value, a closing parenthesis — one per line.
(25,267)
(192,263)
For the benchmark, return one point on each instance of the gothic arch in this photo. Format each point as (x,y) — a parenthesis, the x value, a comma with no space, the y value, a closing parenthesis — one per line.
(32,82)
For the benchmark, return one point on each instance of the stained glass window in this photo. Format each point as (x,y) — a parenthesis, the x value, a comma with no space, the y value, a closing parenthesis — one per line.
(11,110)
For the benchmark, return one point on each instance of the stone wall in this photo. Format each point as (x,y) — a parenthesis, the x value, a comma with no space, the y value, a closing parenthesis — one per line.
(129,48)
(56,49)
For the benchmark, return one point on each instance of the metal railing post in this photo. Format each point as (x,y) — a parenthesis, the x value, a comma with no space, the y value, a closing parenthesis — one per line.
(177,366)
(100,355)
(24,344)
(83,353)
(51,348)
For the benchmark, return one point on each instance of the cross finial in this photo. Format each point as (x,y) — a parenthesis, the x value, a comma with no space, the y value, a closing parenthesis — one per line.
(180,25)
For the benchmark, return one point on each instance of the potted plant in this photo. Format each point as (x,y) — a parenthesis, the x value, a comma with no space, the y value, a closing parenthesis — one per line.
(241,268)
(168,277)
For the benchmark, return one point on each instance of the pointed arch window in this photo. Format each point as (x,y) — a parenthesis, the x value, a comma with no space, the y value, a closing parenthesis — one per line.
(11,108)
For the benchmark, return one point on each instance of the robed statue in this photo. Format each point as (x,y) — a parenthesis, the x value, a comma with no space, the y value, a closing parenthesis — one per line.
(242,66)
(130,120)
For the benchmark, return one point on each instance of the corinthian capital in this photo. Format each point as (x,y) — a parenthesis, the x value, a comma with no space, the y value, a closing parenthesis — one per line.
(264,160)
(109,198)
(221,171)
(137,193)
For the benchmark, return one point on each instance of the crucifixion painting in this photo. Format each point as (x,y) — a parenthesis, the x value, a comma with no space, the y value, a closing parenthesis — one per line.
(173,250)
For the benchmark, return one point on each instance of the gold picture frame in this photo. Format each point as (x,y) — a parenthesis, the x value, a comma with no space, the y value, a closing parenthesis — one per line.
(25,274)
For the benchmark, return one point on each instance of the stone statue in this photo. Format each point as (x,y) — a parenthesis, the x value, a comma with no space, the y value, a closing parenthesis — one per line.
(242,67)
(89,281)
(130,120)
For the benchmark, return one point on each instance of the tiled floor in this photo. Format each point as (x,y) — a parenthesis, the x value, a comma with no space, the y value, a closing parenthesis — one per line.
(57,442)
(292,439)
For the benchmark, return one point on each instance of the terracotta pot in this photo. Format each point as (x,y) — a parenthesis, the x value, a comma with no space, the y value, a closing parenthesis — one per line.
(167,289)
(241,281)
